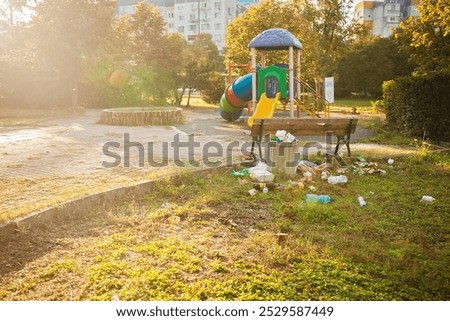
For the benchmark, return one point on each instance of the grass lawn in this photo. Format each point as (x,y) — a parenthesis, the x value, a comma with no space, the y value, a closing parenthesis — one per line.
(352,103)
(204,238)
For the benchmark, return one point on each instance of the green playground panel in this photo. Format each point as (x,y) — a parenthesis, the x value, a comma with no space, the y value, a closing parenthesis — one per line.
(276,72)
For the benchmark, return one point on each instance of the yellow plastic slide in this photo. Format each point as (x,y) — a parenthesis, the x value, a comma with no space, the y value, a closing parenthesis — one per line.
(265,108)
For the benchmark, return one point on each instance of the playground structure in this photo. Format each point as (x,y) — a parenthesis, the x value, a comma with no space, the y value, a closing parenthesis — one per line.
(267,85)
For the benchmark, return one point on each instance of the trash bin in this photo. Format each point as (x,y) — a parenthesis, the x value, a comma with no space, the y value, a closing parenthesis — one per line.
(283,157)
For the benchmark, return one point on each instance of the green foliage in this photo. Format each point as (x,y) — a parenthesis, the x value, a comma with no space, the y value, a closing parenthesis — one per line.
(419,106)
(321,26)
(426,38)
(213,88)
(201,65)
(43,59)
(367,64)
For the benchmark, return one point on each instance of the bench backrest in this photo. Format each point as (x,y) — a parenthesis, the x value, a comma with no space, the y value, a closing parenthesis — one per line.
(304,127)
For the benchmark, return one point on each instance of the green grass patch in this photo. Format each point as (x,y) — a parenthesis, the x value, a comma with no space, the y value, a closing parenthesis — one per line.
(224,245)
(352,103)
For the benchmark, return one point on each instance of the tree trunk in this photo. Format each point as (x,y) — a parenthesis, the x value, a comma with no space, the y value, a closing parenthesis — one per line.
(189,97)
(180,97)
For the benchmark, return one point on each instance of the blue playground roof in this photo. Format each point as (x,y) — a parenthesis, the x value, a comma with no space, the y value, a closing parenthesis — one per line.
(275,39)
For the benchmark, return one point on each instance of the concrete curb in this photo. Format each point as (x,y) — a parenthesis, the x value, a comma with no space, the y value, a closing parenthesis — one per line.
(82,204)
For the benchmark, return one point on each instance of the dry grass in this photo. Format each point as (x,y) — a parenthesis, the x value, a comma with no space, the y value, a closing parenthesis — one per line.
(204,238)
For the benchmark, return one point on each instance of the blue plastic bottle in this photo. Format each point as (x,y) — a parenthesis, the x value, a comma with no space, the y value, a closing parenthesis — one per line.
(314,198)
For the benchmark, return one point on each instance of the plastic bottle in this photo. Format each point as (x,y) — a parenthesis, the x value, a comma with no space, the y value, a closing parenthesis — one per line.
(314,198)
(361,202)
(337,179)
(265,189)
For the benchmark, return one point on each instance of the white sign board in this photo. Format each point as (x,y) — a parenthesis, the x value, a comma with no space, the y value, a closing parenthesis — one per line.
(329,89)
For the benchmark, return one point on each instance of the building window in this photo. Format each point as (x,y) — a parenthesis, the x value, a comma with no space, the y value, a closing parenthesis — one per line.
(230,11)
(170,25)
(217,15)
(217,26)
(180,7)
(392,19)
(193,28)
(218,5)
(193,16)
(217,38)
(205,26)
(181,29)
(170,14)
(181,18)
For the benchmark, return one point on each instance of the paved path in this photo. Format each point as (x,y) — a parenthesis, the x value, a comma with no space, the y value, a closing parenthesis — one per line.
(62,158)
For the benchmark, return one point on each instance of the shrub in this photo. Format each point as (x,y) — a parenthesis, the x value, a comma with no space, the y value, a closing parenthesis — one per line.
(214,89)
(419,106)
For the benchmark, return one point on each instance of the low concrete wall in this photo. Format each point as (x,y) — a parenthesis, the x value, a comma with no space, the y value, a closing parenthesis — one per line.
(83,204)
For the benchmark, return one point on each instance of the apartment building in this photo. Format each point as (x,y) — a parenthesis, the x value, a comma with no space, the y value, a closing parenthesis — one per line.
(381,17)
(191,17)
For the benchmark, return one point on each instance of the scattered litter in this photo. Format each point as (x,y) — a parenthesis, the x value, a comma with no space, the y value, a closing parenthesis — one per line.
(307,174)
(242,181)
(242,173)
(252,192)
(250,161)
(232,223)
(324,175)
(307,163)
(265,190)
(372,193)
(174,220)
(390,161)
(260,166)
(269,186)
(290,138)
(281,136)
(312,188)
(314,198)
(262,175)
(362,167)
(341,170)
(341,179)
(166,205)
(281,238)
(362,202)
(427,198)
(299,185)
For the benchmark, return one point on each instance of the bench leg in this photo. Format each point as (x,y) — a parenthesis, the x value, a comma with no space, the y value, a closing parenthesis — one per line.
(336,150)
(252,152)
(345,141)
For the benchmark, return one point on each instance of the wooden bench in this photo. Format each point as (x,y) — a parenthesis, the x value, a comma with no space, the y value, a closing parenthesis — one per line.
(342,128)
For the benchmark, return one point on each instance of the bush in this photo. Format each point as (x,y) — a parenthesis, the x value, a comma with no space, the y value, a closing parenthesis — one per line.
(214,89)
(417,106)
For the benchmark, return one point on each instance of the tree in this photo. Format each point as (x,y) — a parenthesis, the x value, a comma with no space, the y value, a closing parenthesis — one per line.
(322,27)
(10,8)
(426,38)
(367,64)
(200,61)
(62,34)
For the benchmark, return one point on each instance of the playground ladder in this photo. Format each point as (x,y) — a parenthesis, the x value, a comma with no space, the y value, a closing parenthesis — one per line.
(317,97)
